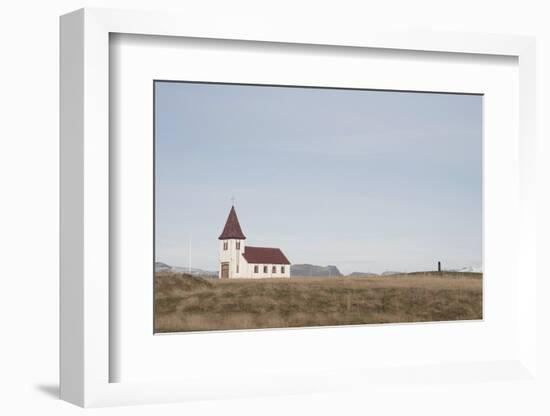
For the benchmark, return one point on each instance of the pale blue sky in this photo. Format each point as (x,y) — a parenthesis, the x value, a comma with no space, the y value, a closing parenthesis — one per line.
(364,180)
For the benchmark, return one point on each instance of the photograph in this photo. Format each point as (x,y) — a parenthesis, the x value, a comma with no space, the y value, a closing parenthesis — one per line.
(282,206)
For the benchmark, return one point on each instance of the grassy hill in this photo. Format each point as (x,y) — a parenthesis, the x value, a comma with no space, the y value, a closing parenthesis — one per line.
(189,303)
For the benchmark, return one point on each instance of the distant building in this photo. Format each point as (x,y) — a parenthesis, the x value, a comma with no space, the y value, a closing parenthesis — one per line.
(245,262)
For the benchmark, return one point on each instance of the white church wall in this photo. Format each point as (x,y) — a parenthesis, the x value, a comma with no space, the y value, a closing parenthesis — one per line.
(245,270)
(260,274)
(233,256)
(243,267)
(240,261)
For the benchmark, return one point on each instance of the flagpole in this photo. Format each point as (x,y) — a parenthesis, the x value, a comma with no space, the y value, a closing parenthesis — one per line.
(189,254)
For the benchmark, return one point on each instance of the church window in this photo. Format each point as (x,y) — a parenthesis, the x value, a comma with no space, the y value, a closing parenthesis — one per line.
(274,269)
(237,268)
(238,245)
(225,244)
(265,269)
(255,269)
(282,269)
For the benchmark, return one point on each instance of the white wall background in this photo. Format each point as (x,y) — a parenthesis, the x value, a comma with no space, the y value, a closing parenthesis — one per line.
(29,205)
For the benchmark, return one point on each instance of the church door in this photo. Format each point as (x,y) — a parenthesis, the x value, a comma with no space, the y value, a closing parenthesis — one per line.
(225,270)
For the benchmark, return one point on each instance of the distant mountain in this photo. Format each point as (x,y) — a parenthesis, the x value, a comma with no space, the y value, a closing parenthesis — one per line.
(194,272)
(362,274)
(163,267)
(389,273)
(469,269)
(311,270)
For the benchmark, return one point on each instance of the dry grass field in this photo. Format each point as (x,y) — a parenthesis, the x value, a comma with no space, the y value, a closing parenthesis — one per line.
(187,303)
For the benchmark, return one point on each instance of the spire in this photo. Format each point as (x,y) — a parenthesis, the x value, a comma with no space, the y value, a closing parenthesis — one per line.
(232,227)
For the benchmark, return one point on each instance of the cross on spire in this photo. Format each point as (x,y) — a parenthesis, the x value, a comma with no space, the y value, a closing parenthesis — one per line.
(232,200)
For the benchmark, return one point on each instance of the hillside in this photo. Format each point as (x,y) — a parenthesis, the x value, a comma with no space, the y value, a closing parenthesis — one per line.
(190,303)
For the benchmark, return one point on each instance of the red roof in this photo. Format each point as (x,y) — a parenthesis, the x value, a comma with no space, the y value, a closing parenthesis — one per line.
(232,227)
(264,255)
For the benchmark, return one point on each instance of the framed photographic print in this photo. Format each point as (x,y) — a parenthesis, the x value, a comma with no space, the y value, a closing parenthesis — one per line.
(382,220)
(305,205)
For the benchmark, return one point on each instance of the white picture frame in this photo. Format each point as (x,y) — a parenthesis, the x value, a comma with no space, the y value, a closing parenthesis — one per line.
(86,265)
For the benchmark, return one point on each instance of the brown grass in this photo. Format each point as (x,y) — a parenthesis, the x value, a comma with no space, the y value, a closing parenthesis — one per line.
(186,303)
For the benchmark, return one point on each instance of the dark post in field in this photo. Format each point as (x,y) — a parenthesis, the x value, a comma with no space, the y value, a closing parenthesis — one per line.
(438,266)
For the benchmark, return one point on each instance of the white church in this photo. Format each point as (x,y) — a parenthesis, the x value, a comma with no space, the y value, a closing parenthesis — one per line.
(239,261)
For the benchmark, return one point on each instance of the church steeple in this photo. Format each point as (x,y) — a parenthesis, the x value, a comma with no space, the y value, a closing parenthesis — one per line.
(232,227)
